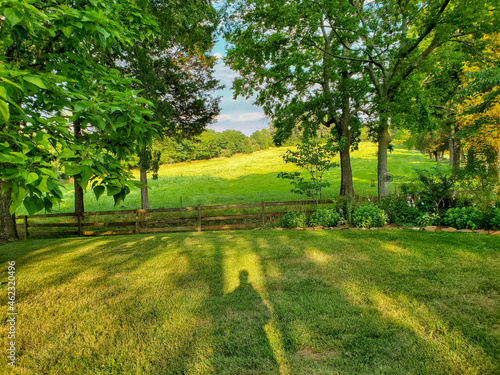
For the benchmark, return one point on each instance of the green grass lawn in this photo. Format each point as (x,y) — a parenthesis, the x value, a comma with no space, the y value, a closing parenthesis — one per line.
(251,178)
(257,302)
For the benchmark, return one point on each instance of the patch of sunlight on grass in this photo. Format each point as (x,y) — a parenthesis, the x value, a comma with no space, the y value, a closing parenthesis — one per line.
(275,339)
(449,345)
(320,257)
(394,247)
(241,258)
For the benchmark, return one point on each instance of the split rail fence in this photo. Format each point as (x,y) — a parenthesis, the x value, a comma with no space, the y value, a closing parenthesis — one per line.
(197,218)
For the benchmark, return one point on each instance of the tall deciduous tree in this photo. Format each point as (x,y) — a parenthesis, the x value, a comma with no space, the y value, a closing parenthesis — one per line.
(284,52)
(393,38)
(52,61)
(176,72)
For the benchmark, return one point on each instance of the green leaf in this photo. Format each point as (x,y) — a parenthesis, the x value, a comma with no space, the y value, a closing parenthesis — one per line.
(4,110)
(48,172)
(113,190)
(18,194)
(86,174)
(66,153)
(67,31)
(42,185)
(13,16)
(3,92)
(72,170)
(36,81)
(32,177)
(98,191)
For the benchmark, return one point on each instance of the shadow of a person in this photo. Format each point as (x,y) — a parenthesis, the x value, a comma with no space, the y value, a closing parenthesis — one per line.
(241,320)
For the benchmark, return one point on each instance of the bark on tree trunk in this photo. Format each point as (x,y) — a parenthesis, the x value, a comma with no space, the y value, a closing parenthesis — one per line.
(144,190)
(454,150)
(79,205)
(8,230)
(498,162)
(346,184)
(384,138)
(451,147)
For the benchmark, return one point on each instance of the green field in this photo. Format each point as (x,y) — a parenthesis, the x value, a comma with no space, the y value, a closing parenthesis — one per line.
(257,302)
(251,178)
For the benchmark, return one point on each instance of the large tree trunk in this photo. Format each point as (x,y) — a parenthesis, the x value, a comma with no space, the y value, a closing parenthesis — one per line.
(455,151)
(144,190)
(451,147)
(498,163)
(346,184)
(384,139)
(8,230)
(79,205)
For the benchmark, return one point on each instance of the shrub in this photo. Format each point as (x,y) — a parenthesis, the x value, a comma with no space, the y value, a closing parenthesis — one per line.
(494,220)
(401,210)
(294,220)
(428,219)
(369,216)
(463,218)
(325,218)
(432,191)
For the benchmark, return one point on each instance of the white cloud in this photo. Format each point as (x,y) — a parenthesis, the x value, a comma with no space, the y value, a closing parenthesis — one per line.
(251,116)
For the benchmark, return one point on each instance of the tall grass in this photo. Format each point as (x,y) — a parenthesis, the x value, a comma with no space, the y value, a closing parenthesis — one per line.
(251,178)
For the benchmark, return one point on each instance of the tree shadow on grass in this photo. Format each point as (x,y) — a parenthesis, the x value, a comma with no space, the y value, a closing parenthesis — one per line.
(405,289)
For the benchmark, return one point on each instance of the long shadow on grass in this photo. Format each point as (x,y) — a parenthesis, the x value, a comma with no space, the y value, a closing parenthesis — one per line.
(383,315)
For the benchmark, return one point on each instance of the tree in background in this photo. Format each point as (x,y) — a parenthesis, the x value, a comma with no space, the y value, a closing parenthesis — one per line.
(284,52)
(392,39)
(314,158)
(175,70)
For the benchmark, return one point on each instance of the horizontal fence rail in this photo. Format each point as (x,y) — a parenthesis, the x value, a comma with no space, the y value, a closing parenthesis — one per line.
(180,219)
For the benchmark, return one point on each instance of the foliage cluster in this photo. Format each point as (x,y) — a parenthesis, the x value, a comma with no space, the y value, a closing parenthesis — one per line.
(463,218)
(211,144)
(314,158)
(325,218)
(369,216)
(294,220)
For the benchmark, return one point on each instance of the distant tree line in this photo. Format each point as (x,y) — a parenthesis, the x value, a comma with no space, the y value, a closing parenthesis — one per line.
(210,144)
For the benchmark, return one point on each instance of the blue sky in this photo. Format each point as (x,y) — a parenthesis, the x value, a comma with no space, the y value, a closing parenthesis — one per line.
(237,114)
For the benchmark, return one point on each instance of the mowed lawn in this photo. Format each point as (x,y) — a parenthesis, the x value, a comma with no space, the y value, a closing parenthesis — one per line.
(257,302)
(251,178)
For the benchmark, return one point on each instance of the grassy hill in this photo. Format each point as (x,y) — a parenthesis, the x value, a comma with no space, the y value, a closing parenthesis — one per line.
(250,178)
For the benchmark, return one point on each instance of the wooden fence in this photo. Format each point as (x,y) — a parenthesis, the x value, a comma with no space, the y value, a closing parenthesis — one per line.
(197,218)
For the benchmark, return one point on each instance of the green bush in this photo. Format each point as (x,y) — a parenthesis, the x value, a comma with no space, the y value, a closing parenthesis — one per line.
(428,219)
(325,218)
(294,220)
(369,216)
(401,210)
(463,218)
(494,220)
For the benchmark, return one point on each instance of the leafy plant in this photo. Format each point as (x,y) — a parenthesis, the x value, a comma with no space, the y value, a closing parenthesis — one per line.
(428,219)
(437,188)
(294,220)
(494,219)
(314,158)
(463,218)
(401,210)
(325,218)
(369,216)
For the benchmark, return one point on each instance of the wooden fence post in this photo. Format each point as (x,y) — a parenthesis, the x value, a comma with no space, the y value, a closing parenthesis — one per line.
(263,213)
(137,223)
(25,227)
(199,218)
(79,218)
